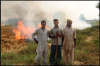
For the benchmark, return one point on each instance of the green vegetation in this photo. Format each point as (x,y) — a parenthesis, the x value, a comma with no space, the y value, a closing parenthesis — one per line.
(94,23)
(85,51)
(25,56)
(97,6)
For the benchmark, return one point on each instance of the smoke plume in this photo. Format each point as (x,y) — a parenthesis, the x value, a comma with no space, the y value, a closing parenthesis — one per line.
(32,12)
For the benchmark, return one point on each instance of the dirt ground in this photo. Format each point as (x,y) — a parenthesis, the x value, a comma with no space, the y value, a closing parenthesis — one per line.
(89,38)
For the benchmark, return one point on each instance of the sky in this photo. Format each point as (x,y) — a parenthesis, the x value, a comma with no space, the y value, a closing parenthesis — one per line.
(31,10)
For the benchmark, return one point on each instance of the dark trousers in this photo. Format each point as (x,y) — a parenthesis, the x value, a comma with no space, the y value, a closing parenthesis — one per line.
(53,53)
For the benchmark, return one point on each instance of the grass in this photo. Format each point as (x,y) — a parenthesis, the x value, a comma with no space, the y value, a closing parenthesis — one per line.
(86,52)
(94,23)
(25,56)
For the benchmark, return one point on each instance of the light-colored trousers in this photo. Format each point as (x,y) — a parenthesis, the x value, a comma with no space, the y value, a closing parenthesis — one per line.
(40,55)
(68,55)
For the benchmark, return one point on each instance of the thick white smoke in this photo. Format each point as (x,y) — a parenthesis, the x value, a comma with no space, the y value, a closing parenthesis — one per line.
(35,11)
(78,24)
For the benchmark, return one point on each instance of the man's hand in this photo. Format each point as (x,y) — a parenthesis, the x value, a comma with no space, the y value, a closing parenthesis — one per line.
(35,40)
(74,42)
(57,34)
(74,45)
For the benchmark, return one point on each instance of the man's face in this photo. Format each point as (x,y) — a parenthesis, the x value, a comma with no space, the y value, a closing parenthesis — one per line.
(43,24)
(69,24)
(56,23)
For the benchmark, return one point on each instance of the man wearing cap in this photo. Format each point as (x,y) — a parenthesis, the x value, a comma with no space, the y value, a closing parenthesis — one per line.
(53,35)
(69,42)
(42,47)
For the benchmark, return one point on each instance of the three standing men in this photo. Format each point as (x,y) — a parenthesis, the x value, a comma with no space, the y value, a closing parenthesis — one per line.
(56,32)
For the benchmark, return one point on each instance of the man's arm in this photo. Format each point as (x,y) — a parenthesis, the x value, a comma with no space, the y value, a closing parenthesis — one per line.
(62,32)
(56,35)
(62,40)
(35,40)
(52,36)
(33,36)
(61,35)
(74,42)
(74,38)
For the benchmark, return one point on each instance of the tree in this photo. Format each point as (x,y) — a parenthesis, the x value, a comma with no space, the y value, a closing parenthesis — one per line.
(82,18)
(97,6)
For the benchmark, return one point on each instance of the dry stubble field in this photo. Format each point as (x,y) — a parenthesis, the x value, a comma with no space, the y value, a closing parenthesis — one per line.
(17,52)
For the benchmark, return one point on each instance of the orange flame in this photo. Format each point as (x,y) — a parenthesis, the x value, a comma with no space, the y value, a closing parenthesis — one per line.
(1,24)
(23,32)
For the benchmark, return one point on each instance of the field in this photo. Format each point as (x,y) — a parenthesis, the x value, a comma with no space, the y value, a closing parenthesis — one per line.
(17,52)
(94,23)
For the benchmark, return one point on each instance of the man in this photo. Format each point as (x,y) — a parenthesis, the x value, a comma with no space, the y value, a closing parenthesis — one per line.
(42,48)
(69,42)
(54,34)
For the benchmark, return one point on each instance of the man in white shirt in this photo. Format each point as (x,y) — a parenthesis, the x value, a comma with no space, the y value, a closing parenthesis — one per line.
(42,48)
(69,42)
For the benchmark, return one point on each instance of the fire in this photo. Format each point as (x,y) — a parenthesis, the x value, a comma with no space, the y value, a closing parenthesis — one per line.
(39,26)
(1,24)
(22,31)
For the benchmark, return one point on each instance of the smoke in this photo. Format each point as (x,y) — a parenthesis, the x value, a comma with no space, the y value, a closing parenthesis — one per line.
(78,24)
(33,12)
(13,10)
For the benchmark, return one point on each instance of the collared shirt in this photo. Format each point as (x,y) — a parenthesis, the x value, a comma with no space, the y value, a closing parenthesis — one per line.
(69,35)
(53,32)
(42,37)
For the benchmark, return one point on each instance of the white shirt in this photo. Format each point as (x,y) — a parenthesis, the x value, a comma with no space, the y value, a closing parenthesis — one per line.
(42,37)
(69,35)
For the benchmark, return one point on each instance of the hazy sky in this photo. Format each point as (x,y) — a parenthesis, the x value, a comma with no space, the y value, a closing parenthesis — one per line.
(29,9)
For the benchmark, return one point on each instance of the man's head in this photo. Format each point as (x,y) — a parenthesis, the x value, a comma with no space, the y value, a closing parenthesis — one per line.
(43,23)
(56,22)
(69,23)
